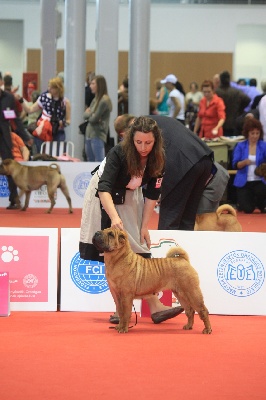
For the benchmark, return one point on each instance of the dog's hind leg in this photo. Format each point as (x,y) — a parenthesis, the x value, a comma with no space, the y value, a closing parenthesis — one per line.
(197,303)
(51,193)
(189,311)
(204,316)
(64,188)
(124,304)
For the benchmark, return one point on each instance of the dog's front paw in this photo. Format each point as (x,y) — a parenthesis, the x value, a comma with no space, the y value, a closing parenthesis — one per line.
(187,327)
(121,329)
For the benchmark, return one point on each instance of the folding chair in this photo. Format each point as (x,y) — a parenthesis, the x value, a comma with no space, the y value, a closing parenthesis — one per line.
(56,149)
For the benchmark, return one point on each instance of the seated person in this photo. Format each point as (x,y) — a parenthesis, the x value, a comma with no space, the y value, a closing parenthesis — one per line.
(19,150)
(247,155)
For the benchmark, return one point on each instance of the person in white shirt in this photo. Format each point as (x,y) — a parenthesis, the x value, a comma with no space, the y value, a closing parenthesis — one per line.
(262,111)
(176,99)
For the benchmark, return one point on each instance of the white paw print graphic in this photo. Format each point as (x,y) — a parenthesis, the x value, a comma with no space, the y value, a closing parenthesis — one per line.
(9,254)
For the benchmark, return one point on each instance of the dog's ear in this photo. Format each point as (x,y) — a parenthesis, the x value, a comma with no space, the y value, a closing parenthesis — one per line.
(122,237)
(7,161)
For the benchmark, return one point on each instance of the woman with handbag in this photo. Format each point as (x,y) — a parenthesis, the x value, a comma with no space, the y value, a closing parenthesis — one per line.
(55,115)
(136,161)
(98,117)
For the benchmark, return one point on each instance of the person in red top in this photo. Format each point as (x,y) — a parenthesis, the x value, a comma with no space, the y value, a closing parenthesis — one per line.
(19,150)
(211,115)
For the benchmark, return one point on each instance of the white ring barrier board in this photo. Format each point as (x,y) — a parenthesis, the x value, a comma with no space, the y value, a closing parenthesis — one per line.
(231,268)
(30,257)
(77,174)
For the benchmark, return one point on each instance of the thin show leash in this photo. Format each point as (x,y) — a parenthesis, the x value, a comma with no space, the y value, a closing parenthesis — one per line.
(136,320)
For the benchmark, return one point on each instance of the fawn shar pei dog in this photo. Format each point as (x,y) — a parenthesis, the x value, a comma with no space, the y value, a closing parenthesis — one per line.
(131,276)
(32,178)
(224,219)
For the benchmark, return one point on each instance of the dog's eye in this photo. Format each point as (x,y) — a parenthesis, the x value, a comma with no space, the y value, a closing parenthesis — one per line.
(110,234)
(121,236)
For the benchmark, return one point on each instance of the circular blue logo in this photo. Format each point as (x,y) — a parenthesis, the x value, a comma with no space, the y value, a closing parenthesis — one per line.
(4,191)
(240,273)
(89,276)
(81,182)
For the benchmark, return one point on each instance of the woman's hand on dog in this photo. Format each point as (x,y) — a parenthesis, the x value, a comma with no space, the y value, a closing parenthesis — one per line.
(145,237)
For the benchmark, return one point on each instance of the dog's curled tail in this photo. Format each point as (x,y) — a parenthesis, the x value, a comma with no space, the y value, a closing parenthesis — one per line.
(55,166)
(226,207)
(177,252)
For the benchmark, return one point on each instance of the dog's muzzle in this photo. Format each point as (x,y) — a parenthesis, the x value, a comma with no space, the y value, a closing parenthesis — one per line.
(98,241)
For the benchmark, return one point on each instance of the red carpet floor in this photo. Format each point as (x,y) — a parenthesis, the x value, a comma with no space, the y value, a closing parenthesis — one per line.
(75,356)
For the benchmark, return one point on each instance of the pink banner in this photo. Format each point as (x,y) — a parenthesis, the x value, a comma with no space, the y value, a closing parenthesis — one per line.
(26,260)
(4,294)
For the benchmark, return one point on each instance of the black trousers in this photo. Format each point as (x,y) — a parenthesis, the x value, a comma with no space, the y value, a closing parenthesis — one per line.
(178,209)
(250,196)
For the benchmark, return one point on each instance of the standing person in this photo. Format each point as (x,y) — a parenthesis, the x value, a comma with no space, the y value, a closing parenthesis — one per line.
(56,112)
(188,169)
(98,115)
(262,115)
(211,115)
(235,102)
(247,155)
(7,102)
(89,96)
(136,161)
(161,98)
(176,99)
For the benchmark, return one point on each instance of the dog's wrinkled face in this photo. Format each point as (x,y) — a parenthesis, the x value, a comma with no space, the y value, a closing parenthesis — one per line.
(109,239)
(261,170)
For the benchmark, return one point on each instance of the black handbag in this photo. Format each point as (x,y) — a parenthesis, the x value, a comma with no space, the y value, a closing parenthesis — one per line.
(82,127)
(118,195)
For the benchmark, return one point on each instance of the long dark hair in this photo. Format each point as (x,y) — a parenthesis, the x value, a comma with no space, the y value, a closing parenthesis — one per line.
(156,157)
(101,90)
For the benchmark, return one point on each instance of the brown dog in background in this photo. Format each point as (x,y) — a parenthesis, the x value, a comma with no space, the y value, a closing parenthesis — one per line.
(32,178)
(261,170)
(224,219)
(131,276)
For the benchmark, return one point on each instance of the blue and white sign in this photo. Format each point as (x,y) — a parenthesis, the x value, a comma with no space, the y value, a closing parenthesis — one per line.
(231,268)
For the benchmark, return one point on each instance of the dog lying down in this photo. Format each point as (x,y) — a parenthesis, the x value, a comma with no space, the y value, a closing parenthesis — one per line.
(224,219)
(131,276)
(31,178)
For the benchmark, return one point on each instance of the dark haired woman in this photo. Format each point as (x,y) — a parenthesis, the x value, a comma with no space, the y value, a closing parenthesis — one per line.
(136,161)
(98,115)
(247,155)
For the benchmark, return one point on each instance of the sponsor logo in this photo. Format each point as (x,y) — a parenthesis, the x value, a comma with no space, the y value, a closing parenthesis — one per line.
(81,182)
(240,273)
(30,281)
(4,191)
(87,275)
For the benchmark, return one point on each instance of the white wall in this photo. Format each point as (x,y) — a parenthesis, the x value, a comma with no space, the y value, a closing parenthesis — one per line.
(191,28)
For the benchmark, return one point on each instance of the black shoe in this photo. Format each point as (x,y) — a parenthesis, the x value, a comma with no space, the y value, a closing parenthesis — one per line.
(161,316)
(114,319)
(13,207)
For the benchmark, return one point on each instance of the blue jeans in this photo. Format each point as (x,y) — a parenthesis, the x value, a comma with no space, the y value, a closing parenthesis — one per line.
(95,150)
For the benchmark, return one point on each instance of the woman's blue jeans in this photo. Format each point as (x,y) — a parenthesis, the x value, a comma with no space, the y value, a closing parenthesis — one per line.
(95,150)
